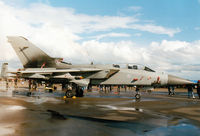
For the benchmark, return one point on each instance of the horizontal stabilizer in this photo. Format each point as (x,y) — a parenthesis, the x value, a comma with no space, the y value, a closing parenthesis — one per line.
(83,82)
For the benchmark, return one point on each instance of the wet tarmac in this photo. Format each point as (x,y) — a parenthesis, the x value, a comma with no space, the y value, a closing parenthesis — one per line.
(97,114)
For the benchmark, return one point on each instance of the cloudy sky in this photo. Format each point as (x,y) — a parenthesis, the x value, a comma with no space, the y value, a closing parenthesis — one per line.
(164,35)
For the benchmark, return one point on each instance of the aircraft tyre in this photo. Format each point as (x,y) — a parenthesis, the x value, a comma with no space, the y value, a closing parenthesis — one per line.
(29,94)
(69,94)
(137,96)
(79,93)
(50,90)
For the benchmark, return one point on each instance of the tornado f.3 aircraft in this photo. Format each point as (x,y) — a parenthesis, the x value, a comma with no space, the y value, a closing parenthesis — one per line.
(41,67)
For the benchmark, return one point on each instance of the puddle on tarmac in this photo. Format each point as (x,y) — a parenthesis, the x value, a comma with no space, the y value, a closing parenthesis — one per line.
(15,108)
(88,126)
(120,108)
(40,100)
(7,129)
(178,130)
(9,108)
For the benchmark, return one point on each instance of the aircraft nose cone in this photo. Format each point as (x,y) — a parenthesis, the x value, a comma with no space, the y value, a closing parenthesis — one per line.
(173,80)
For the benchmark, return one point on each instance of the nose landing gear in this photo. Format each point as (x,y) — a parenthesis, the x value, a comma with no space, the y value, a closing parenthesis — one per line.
(137,95)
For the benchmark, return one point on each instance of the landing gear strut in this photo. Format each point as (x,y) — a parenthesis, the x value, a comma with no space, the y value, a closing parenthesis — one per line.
(137,95)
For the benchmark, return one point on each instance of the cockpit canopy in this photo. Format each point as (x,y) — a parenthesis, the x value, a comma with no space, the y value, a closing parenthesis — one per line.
(133,66)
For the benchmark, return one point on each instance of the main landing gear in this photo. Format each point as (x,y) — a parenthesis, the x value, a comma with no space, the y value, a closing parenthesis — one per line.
(74,90)
(69,94)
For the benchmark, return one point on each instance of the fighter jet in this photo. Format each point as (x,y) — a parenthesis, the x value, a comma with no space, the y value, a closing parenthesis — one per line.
(41,67)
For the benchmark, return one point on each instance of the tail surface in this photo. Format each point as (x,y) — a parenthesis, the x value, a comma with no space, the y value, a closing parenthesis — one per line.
(30,55)
(4,70)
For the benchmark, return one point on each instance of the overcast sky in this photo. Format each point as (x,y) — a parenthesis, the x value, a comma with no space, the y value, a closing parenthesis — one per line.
(164,35)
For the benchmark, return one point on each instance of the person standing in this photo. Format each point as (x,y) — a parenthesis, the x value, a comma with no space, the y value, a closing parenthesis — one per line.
(118,89)
(169,90)
(172,90)
(190,92)
(198,88)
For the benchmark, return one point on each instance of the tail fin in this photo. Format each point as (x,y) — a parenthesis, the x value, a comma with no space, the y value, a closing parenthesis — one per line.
(4,70)
(30,55)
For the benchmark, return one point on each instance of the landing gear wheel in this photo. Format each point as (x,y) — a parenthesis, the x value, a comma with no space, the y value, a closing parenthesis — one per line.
(69,94)
(50,91)
(29,94)
(79,93)
(137,96)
